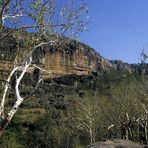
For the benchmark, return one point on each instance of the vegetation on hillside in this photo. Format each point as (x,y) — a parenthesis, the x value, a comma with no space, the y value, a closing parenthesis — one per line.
(67,112)
(92,108)
(49,19)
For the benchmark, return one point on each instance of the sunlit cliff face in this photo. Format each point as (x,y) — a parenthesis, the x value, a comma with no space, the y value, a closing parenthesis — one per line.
(61,62)
(65,58)
(69,58)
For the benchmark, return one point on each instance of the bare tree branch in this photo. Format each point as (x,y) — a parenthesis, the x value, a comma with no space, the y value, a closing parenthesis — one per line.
(4,6)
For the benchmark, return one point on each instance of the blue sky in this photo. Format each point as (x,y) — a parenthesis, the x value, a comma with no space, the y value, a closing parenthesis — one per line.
(118,29)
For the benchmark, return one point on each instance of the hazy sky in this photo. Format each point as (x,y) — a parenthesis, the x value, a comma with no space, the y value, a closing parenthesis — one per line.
(118,29)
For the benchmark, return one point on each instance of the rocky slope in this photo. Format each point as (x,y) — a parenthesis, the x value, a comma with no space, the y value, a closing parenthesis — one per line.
(63,58)
(66,58)
(117,144)
(131,68)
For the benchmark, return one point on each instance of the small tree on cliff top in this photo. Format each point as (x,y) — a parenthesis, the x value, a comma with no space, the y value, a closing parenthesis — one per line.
(49,18)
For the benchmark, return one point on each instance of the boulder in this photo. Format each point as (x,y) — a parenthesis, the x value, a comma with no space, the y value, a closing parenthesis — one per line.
(118,143)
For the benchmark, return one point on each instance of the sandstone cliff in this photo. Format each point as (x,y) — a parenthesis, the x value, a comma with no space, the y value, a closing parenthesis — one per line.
(65,58)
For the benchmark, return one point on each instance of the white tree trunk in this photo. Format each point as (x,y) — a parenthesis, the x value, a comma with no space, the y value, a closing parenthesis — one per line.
(19,99)
(5,92)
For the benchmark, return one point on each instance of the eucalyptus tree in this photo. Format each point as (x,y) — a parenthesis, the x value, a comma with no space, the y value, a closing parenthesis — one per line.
(51,20)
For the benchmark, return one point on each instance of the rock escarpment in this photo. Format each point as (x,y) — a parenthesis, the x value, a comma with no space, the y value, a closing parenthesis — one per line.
(63,58)
(68,57)
(139,69)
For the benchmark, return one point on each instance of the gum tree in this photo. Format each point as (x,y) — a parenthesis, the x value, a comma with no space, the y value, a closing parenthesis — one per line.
(50,20)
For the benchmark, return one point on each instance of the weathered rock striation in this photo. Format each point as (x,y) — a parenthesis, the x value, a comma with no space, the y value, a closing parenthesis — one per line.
(65,58)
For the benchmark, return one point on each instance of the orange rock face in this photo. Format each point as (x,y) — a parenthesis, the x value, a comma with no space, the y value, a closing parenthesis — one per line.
(68,57)
(60,63)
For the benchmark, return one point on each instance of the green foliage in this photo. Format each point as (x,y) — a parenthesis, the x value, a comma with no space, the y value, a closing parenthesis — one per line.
(55,116)
(14,136)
